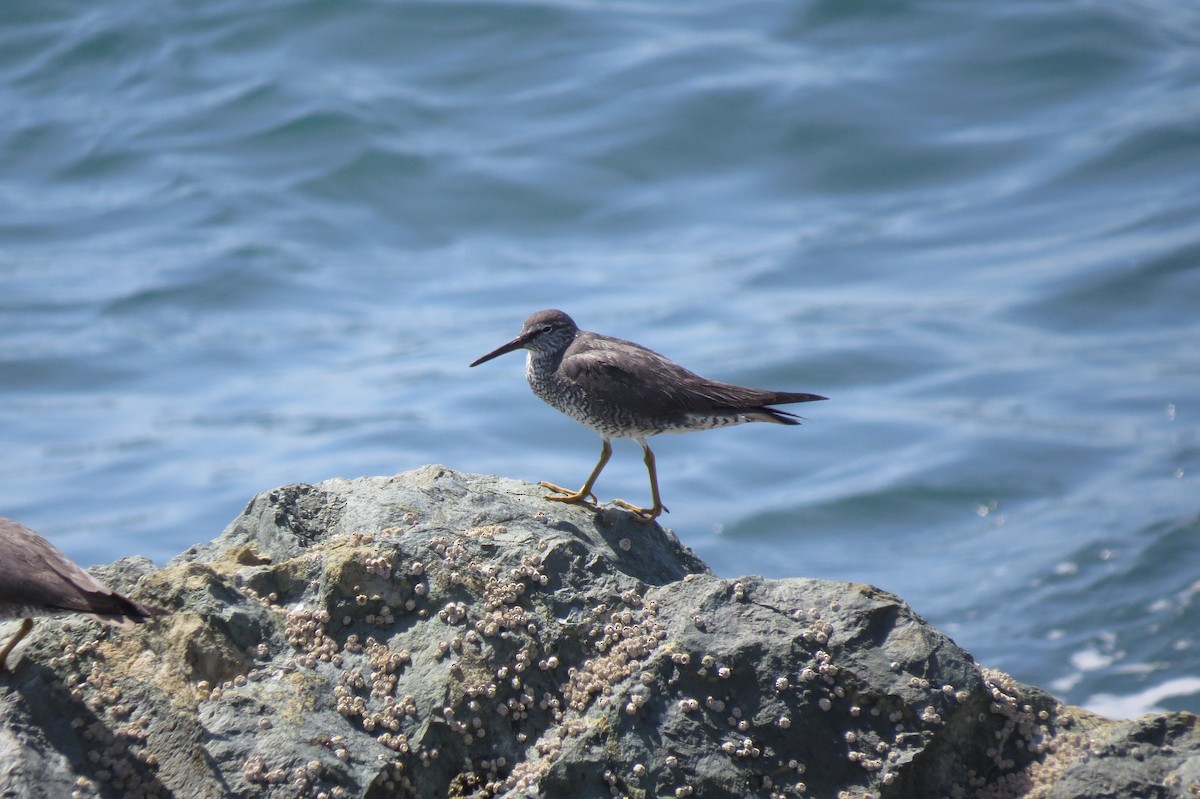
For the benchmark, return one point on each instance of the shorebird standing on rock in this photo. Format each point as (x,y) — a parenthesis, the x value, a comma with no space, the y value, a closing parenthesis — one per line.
(38,580)
(623,390)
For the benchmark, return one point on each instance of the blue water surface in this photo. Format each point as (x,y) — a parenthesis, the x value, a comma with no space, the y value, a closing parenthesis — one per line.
(248,245)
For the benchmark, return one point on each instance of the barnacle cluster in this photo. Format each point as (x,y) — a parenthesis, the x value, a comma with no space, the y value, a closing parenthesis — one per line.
(114,731)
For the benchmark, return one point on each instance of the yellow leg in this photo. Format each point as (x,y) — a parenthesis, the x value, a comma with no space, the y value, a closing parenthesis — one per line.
(646,515)
(582,494)
(26,626)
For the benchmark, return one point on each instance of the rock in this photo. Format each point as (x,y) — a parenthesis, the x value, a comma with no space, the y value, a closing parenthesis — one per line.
(438,634)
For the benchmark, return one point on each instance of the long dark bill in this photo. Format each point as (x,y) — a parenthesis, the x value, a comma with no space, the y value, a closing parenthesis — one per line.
(516,344)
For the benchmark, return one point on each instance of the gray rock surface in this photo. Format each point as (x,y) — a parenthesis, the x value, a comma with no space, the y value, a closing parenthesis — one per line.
(440,634)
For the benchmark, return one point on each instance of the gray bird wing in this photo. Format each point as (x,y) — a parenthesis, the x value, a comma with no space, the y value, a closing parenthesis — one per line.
(34,573)
(622,373)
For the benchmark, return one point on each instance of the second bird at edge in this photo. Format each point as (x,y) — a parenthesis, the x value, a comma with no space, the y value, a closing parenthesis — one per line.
(623,390)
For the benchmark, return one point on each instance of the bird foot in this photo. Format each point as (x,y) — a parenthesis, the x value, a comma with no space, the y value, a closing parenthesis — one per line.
(571,496)
(643,515)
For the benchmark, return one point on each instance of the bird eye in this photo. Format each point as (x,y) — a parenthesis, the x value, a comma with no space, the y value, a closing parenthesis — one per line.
(547,328)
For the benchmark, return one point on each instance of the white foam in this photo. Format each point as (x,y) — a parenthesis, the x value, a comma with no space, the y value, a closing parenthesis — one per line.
(1127,707)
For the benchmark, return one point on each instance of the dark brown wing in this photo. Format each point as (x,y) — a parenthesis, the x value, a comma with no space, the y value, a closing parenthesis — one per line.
(34,573)
(621,372)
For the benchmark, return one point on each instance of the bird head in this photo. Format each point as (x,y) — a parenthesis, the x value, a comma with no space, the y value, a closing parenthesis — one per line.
(544,332)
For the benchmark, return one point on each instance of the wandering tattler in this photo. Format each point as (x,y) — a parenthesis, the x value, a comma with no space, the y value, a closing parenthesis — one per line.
(38,580)
(623,390)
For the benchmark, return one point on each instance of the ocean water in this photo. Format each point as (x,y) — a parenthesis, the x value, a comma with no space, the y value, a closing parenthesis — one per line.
(248,245)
